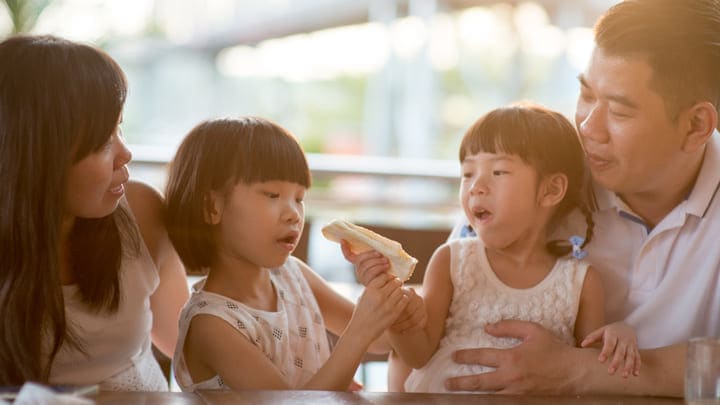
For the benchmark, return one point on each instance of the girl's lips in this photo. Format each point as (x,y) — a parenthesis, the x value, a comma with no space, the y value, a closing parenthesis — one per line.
(289,241)
(482,215)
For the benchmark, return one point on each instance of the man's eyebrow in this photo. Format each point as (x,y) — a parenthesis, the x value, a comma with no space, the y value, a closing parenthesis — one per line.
(618,98)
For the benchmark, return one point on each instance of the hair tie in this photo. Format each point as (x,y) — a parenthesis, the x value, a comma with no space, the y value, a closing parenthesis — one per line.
(577,242)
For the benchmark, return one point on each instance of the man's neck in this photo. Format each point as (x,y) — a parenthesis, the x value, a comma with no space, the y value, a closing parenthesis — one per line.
(654,205)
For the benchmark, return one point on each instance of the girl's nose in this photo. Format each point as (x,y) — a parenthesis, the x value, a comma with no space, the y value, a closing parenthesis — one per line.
(478,186)
(293,214)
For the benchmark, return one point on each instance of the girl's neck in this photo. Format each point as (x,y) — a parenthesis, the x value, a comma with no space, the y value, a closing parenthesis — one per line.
(244,282)
(523,264)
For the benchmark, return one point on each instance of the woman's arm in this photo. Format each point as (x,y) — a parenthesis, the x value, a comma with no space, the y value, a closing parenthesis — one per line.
(171,294)
(416,348)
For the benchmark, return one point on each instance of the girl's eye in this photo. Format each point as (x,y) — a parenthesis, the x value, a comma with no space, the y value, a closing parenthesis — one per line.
(499,172)
(299,200)
(272,195)
(467,175)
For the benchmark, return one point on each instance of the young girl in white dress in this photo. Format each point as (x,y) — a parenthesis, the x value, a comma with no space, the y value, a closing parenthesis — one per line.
(258,321)
(522,172)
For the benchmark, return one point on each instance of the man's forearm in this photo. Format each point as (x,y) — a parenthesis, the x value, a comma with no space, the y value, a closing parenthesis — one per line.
(661,374)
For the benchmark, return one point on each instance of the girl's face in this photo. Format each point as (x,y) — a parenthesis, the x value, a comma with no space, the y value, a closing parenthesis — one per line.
(95,183)
(259,223)
(499,194)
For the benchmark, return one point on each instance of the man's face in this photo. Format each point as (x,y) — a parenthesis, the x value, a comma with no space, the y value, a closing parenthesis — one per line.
(632,145)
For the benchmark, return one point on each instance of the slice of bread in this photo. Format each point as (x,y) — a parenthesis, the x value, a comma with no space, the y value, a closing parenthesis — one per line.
(362,239)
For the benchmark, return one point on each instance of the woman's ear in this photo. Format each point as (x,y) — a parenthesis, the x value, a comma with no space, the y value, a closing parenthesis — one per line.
(699,122)
(552,190)
(214,203)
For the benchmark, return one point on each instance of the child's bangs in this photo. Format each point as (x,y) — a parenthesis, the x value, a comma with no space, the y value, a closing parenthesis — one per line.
(497,132)
(273,155)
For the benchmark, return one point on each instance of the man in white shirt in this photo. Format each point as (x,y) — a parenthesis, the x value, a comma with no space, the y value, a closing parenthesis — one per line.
(647,116)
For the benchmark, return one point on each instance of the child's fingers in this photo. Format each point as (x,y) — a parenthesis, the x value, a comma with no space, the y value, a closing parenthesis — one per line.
(381,280)
(347,252)
(370,268)
(395,292)
(393,286)
(609,346)
(638,362)
(412,294)
(630,359)
(393,307)
(618,358)
(592,337)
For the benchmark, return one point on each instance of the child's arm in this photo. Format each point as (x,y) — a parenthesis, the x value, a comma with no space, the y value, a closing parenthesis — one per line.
(212,346)
(337,310)
(619,340)
(591,312)
(379,305)
(416,348)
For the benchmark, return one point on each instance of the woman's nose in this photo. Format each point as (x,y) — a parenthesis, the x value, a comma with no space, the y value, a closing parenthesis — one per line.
(123,155)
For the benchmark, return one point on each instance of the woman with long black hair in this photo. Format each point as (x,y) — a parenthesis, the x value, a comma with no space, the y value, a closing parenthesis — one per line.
(88,277)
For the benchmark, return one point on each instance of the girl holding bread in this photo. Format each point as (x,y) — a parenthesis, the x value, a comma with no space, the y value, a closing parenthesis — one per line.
(258,320)
(522,173)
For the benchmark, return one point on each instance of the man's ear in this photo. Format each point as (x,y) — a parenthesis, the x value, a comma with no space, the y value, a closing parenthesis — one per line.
(699,122)
(552,189)
(214,204)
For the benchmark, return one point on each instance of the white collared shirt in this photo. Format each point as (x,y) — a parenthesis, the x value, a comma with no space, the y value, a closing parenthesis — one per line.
(665,282)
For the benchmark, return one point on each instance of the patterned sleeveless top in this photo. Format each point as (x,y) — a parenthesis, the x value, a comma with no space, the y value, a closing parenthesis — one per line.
(293,337)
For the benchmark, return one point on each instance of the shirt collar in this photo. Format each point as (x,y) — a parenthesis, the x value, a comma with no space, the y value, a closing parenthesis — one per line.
(704,191)
(708,180)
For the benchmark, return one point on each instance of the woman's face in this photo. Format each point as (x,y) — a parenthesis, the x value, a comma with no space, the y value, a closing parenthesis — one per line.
(95,183)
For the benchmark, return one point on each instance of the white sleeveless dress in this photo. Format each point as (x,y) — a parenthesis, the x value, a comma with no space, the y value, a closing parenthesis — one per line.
(480,298)
(293,338)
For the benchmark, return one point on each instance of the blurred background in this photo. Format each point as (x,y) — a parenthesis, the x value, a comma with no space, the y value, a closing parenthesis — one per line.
(378,92)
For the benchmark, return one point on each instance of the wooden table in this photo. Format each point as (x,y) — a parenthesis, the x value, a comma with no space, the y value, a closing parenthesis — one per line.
(146,398)
(333,397)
